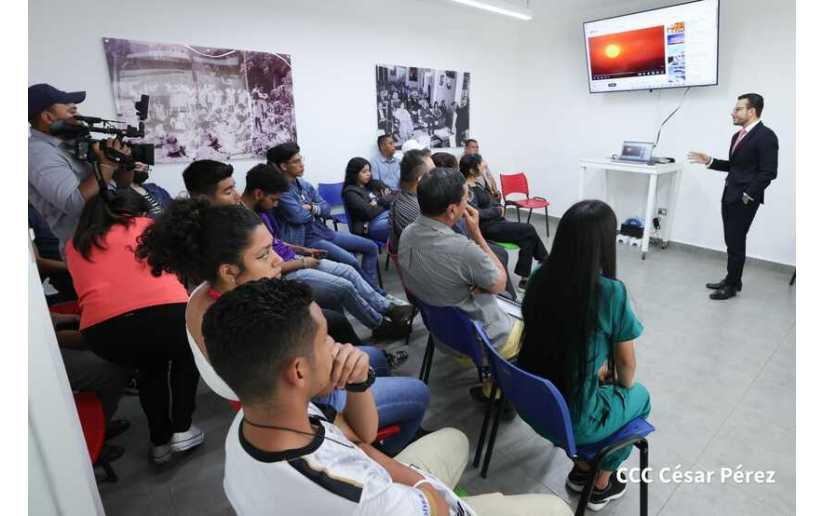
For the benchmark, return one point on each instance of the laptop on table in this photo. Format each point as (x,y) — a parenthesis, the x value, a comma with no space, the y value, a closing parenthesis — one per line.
(637,153)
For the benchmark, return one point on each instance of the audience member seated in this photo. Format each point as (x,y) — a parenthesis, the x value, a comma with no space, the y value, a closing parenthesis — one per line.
(486,179)
(334,284)
(134,319)
(213,181)
(445,160)
(49,260)
(493,224)
(579,333)
(157,198)
(269,341)
(367,201)
(443,268)
(385,165)
(404,209)
(299,214)
(226,246)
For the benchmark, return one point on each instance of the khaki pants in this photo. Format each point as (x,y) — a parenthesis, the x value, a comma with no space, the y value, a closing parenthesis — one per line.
(444,454)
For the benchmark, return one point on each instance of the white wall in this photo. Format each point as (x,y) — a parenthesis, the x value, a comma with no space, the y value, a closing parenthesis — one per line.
(531,108)
(61,481)
(334,45)
(563,123)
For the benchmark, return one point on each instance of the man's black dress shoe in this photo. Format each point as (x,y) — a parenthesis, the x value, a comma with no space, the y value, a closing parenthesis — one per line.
(720,284)
(725,292)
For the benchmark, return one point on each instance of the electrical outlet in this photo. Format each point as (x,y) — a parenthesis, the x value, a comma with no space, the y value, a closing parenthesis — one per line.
(663,211)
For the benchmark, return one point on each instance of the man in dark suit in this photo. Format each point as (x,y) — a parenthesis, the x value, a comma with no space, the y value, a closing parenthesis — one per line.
(751,166)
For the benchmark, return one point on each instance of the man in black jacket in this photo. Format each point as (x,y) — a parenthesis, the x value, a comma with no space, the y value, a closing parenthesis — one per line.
(751,166)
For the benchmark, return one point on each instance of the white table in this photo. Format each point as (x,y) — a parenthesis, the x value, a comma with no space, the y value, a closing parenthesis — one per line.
(610,167)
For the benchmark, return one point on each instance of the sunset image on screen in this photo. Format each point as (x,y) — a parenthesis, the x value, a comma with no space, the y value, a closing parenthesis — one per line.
(628,54)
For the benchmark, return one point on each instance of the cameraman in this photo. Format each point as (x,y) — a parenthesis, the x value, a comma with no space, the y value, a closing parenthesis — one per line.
(59,183)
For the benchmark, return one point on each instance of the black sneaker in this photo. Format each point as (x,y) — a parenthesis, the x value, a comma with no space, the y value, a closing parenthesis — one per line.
(599,498)
(400,313)
(390,330)
(396,358)
(577,479)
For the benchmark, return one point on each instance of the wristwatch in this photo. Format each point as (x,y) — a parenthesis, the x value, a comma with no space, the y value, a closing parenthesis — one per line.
(363,386)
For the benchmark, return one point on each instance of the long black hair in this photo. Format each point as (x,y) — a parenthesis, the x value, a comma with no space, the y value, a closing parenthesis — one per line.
(560,306)
(354,167)
(101,212)
(192,238)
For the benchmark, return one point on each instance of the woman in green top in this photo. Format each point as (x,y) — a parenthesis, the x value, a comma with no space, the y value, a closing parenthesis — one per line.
(579,333)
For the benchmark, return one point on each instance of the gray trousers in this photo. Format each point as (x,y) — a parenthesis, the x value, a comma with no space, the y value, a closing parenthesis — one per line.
(89,372)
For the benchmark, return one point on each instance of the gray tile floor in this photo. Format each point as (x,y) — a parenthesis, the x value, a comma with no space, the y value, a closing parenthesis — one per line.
(721,377)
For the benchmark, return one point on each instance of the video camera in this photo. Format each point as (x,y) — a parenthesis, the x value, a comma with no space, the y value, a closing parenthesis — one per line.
(80,129)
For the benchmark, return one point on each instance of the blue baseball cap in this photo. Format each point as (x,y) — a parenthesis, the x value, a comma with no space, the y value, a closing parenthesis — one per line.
(43,96)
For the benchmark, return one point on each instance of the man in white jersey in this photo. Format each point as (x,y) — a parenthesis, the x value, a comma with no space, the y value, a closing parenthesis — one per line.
(286,455)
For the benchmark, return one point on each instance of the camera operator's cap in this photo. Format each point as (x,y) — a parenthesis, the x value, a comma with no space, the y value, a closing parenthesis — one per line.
(42,96)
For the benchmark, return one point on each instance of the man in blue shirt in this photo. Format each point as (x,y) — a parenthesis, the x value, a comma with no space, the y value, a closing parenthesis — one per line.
(299,215)
(385,166)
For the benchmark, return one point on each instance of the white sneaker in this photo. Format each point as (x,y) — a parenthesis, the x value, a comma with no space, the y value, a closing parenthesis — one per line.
(182,441)
(160,454)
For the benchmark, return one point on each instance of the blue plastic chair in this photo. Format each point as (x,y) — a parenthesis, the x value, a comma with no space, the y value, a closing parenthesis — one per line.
(331,193)
(542,406)
(453,328)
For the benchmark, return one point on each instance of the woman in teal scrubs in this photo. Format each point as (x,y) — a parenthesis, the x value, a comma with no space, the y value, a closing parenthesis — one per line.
(579,333)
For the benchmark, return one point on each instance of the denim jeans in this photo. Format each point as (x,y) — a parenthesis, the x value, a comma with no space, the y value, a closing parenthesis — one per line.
(340,248)
(379,227)
(335,285)
(400,401)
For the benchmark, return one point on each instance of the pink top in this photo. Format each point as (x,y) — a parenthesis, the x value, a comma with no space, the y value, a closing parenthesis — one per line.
(114,281)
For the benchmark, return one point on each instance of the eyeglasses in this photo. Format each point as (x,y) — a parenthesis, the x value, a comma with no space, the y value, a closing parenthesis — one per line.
(295,161)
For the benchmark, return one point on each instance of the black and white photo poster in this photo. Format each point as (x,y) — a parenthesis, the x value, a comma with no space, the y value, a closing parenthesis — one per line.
(428,105)
(205,103)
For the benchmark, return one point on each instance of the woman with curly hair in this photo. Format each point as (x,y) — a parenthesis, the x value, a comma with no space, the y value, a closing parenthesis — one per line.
(227,246)
(134,318)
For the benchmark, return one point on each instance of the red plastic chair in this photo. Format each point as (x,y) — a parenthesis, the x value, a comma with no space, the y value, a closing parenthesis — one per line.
(93,423)
(383,433)
(517,184)
(67,308)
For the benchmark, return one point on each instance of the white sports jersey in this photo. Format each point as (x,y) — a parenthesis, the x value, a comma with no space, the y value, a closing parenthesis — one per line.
(328,476)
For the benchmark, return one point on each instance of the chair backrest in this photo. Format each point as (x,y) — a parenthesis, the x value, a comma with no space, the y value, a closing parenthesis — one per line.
(331,192)
(514,183)
(536,399)
(452,327)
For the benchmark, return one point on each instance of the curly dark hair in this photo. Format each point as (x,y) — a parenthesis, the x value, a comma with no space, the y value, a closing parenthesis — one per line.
(252,331)
(192,238)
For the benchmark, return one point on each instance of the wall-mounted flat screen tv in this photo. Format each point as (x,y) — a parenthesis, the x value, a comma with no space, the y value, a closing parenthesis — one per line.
(670,47)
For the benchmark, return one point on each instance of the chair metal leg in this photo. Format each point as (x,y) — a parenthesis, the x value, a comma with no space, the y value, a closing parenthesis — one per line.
(378,270)
(529,215)
(387,262)
(492,443)
(426,362)
(546,222)
(793,278)
(483,435)
(335,225)
(643,458)
(587,491)
(518,214)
